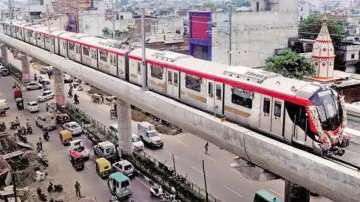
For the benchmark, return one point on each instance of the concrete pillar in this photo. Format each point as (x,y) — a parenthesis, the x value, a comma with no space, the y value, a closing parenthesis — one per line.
(25,68)
(124,126)
(296,193)
(4,54)
(59,88)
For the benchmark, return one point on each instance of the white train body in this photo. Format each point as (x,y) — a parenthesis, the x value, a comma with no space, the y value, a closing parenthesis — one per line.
(290,110)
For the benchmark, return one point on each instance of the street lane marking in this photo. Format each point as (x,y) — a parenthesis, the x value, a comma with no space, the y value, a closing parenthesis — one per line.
(233,191)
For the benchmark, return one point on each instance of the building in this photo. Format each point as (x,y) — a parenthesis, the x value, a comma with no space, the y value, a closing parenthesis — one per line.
(323,54)
(349,54)
(255,35)
(200,39)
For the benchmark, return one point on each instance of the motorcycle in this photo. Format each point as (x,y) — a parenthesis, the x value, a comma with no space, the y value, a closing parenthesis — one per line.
(46,136)
(2,126)
(156,191)
(29,130)
(55,188)
(14,124)
(42,159)
(76,99)
(41,195)
(22,138)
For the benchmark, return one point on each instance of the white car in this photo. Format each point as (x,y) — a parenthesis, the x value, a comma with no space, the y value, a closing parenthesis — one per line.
(3,70)
(46,95)
(33,86)
(124,167)
(137,144)
(73,127)
(32,106)
(4,105)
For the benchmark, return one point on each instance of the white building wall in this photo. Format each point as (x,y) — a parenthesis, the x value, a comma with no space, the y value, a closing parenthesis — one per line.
(255,35)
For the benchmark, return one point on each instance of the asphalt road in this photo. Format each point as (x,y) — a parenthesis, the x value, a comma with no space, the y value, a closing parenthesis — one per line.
(60,168)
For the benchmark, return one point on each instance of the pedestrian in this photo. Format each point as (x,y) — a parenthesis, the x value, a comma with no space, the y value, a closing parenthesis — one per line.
(102,98)
(206,147)
(47,107)
(35,77)
(77,189)
(40,145)
(49,74)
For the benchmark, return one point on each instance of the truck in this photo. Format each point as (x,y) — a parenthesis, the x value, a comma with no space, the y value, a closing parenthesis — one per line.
(106,150)
(148,134)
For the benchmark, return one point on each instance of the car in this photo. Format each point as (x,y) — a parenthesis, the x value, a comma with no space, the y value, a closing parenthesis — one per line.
(68,78)
(32,106)
(73,127)
(107,150)
(46,122)
(137,144)
(149,135)
(3,70)
(78,145)
(3,105)
(45,69)
(44,81)
(33,86)
(46,95)
(124,167)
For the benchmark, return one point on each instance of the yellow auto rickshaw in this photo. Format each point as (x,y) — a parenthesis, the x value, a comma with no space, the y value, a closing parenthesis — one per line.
(103,167)
(65,137)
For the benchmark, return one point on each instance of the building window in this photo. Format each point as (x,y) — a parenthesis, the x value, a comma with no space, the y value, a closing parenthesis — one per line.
(156,72)
(324,64)
(193,82)
(170,78)
(277,109)
(103,56)
(139,67)
(86,51)
(242,97)
(352,56)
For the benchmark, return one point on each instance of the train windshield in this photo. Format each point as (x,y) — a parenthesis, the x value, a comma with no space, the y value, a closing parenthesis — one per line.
(328,108)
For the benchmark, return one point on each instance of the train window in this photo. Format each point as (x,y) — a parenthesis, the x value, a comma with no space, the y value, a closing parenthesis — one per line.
(193,82)
(103,56)
(86,51)
(94,54)
(218,91)
(139,67)
(242,97)
(170,77)
(113,59)
(266,107)
(277,109)
(210,89)
(176,76)
(156,72)
(71,46)
(77,48)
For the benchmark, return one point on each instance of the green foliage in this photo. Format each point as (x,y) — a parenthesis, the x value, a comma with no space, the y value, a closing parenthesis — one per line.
(240,3)
(310,27)
(290,64)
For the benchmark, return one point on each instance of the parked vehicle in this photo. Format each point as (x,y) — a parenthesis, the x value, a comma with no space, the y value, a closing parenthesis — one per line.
(77,145)
(4,105)
(137,144)
(68,78)
(46,122)
(19,103)
(73,127)
(107,150)
(3,70)
(125,167)
(62,118)
(32,106)
(45,69)
(77,161)
(46,95)
(65,137)
(149,135)
(265,196)
(119,185)
(32,85)
(103,167)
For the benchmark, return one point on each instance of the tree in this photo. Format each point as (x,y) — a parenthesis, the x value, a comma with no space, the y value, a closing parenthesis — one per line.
(290,64)
(310,27)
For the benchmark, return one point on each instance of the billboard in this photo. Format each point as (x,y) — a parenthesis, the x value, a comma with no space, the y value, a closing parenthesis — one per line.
(200,25)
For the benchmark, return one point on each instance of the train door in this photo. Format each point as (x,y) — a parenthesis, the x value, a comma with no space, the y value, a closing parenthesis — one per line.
(277,118)
(300,126)
(265,115)
(214,97)
(172,84)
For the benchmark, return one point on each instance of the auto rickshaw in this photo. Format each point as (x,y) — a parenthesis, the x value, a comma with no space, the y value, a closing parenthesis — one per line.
(65,137)
(103,167)
(76,160)
(119,185)
(96,98)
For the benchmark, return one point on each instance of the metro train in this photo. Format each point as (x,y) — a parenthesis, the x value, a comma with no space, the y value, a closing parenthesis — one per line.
(306,114)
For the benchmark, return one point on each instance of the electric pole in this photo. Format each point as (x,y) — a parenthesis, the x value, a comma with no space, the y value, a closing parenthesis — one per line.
(48,17)
(113,19)
(11,9)
(143,62)
(230,33)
